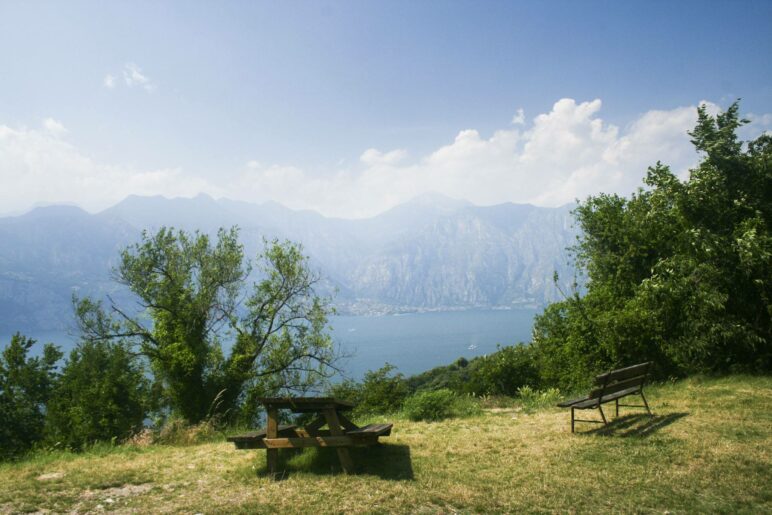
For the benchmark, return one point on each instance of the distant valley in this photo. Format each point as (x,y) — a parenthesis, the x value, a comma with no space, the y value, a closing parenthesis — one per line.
(432,253)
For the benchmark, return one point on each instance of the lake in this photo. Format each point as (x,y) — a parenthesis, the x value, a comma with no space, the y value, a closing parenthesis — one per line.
(413,342)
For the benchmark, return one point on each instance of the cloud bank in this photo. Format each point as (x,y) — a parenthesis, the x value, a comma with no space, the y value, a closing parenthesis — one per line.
(549,160)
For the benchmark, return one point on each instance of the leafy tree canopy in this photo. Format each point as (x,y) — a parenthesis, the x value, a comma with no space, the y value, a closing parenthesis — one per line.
(194,296)
(680,272)
(25,386)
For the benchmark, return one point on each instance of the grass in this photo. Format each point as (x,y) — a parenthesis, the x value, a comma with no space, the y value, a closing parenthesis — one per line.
(706,450)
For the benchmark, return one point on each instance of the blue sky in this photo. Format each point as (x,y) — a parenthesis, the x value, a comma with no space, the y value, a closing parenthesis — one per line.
(351,107)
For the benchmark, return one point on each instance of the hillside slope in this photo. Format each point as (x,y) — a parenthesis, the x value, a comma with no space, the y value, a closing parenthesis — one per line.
(432,252)
(708,449)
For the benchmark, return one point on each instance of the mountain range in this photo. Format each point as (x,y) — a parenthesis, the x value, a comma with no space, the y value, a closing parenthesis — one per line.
(431,253)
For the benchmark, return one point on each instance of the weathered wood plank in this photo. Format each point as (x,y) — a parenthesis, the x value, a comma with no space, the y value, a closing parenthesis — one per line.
(372,429)
(306,404)
(272,431)
(625,373)
(319,441)
(333,422)
(259,434)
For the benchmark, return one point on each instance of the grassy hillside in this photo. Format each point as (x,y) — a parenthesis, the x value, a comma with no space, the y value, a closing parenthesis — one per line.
(708,449)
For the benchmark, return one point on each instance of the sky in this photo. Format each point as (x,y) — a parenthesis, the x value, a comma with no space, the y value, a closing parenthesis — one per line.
(350,108)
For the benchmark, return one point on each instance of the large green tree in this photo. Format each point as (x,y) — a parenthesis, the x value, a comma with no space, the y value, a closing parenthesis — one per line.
(102,394)
(680,272)
(194,297)
(26,384)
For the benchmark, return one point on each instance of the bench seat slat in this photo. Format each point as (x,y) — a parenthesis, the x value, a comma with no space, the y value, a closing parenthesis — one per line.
(593,403)
(372,429)
(253,436)
(571,402)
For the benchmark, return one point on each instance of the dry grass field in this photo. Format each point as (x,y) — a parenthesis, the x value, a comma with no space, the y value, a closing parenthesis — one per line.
(708,449)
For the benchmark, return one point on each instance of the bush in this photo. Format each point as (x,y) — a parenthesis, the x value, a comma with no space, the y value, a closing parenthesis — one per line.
(455,376)
(25,386)
(102,396)
(381,391)
(532,399)
(438,404)
(178,431)
(502,372)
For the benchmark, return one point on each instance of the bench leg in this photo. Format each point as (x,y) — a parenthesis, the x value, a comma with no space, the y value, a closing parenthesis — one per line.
(646,404)
(272,431)
(602,415)
(617,406)
(343,455)
(572,420)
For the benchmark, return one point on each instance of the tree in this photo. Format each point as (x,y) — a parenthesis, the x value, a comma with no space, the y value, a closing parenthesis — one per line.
(25,386)
(102,395)
(190,291)
(679,273)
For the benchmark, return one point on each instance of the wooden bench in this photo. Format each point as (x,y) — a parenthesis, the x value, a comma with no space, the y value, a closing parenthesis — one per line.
(609,387)
(341,432)
(254,439)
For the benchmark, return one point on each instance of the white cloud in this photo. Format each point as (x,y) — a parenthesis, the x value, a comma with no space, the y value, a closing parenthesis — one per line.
(519,118)
(54,127)
(373,157)
(38,166)
(109,81)
(133,76)
(566,153)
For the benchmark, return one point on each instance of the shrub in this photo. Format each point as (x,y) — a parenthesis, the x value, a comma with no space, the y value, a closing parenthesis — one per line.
(102,396)
(502,372)
(432,405)
(381,391)
(178,431)
(25,386)
(532,399)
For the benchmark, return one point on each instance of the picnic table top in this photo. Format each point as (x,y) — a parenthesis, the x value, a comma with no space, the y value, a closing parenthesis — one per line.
(300,404)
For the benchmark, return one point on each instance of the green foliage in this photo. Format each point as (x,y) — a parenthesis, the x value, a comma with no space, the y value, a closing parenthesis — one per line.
(502,372)
(190,289)
(433,405)
(533,399)
(454,377)
(499,373)
(102,395)
(381,391)
(680,273)
(25,386)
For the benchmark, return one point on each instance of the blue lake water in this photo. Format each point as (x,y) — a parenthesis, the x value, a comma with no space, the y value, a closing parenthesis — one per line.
(412,342)
(416,342)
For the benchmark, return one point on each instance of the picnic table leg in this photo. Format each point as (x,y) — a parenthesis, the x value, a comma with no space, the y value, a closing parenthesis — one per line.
(272,431)
(343,455)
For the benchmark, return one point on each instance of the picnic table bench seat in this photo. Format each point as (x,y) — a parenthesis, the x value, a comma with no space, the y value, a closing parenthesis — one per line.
(341,432)
(372,430)
(611,386)
(254,439)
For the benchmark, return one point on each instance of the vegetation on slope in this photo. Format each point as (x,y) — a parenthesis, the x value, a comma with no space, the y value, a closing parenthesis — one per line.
(706,450)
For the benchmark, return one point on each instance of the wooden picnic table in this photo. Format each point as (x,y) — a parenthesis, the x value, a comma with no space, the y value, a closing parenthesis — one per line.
(342,433)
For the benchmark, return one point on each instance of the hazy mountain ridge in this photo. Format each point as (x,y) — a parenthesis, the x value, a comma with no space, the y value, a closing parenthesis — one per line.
(430,253)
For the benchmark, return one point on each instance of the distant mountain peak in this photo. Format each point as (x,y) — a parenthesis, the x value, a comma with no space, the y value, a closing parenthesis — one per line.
(56,210)
(438,200)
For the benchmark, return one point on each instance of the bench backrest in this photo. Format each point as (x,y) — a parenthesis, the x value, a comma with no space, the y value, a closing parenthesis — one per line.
(621,379)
